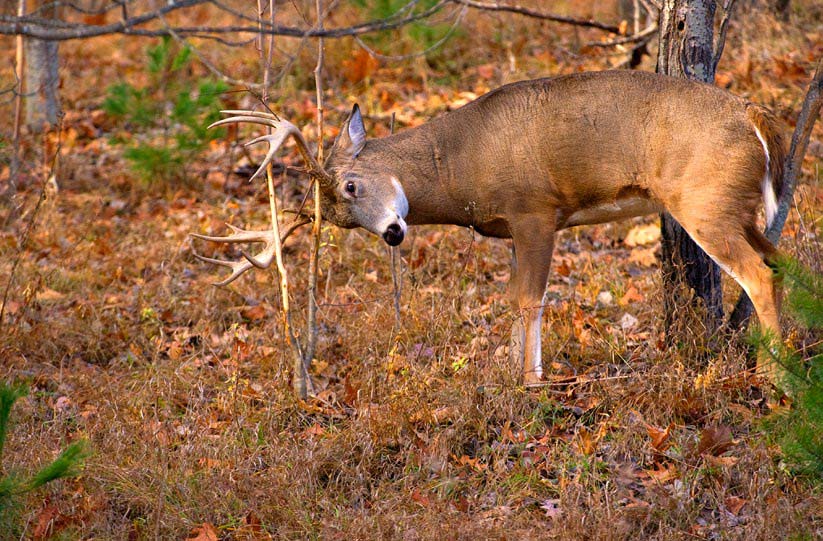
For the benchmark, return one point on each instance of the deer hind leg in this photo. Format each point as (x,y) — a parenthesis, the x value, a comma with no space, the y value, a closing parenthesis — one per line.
(742,253)
(533,246)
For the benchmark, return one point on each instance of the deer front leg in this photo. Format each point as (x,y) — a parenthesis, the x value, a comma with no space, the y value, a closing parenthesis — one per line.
(533,244)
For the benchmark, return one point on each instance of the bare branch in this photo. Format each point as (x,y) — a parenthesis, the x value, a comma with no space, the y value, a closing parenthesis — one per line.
(60,31)
(528,12)
(720,42)
(643,35)
(461,12)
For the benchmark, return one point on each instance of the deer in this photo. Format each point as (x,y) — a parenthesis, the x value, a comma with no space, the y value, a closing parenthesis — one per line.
(534,157)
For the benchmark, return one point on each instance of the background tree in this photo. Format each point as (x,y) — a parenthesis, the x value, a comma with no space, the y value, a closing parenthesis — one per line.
(688,49)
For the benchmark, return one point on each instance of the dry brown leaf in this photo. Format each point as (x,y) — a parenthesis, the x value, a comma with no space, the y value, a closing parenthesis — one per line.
(644,257)
(253,313)
(419,497)
(734,504)
(662,474)
(715,440)
(632,295)
(659,437)
(44,524)
(204,532)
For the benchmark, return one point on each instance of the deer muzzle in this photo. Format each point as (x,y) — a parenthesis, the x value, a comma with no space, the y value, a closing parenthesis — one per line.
(394,234)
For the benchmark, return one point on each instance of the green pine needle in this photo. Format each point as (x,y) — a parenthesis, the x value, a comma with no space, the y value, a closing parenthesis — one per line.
(65,465)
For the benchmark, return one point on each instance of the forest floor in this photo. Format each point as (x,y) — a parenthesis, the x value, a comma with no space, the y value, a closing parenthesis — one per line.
(419,429)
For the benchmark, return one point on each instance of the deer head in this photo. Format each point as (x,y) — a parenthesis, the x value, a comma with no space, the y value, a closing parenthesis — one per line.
(353,193)
(361,194)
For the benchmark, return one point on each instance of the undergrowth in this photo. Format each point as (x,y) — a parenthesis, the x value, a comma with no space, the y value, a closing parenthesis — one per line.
(164,123)
(799,428)
(13,485)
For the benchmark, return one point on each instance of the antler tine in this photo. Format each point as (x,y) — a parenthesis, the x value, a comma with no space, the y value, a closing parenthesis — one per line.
(274,140)
(239,235)
(237,268)
(283,129)
(246,118)
(261,114)
(262,260)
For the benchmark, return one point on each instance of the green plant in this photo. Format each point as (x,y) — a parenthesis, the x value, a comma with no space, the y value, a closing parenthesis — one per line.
(800,429)
(12,485)
(170,115)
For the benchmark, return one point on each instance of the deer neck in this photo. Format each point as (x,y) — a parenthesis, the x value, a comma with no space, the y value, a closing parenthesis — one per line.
(428,174)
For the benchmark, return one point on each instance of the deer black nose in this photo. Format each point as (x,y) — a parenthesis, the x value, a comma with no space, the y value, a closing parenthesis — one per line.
(393,235)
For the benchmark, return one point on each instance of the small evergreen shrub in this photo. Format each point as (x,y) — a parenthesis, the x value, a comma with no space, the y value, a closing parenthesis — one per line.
(800,429)
(12,484)
(168,117)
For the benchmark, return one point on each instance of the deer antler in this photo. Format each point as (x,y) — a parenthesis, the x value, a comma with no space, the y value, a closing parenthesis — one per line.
(283,129)
(262,260)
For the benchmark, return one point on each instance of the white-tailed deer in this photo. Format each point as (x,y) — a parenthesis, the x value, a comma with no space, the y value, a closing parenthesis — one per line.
(533,157)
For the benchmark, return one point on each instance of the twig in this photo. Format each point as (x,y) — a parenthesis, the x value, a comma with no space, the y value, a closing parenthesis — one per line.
(301,382)
(396,272)
(202,58)
(562,19)
(461,12)
(643,35)
(311,323)
(32,218)
(809,113)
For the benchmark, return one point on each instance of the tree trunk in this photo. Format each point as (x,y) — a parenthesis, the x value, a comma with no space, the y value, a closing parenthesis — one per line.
(42,80)
(687,50)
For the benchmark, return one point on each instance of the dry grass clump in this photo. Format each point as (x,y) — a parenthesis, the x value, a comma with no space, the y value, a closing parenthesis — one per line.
(418,431)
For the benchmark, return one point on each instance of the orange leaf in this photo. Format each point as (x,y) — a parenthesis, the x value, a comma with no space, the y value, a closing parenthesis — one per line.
(659,437)
(254,313)
(735,504)
(420,498)
(359,66)
(204,532)
(632,295)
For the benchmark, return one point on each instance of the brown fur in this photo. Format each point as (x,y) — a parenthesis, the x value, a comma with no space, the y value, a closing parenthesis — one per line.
(534,157)
(769,126)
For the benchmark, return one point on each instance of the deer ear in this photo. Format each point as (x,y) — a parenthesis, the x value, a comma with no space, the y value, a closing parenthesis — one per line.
(352,136)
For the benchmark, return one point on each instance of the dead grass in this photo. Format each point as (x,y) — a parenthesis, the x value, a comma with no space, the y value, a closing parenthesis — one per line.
(419,432)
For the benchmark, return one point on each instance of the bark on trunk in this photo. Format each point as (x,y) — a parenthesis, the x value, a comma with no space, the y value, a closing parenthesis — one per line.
(42,81)
(687,49)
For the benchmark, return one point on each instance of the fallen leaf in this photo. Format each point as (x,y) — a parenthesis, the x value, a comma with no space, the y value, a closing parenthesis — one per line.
(204,532)
(628,322)
(253,313)
(420,498)
(644,257)
(715,440)
(632,295)
(45,522)
(551,508)
(734,504)
(659,437)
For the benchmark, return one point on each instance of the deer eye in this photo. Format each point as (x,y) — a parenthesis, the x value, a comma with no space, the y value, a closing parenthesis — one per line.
(351,188)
